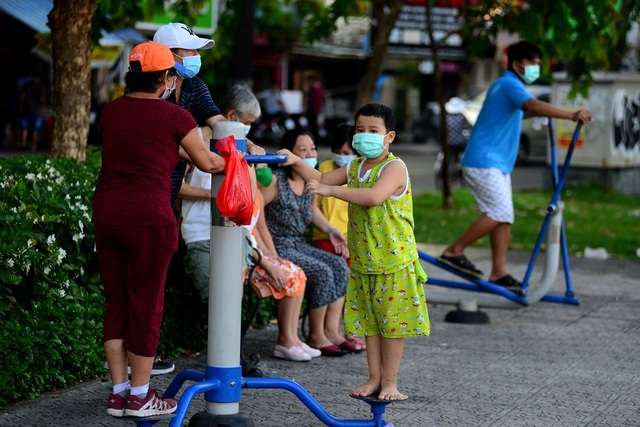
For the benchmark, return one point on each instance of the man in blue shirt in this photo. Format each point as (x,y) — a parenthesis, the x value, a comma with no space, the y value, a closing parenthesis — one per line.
(490,156)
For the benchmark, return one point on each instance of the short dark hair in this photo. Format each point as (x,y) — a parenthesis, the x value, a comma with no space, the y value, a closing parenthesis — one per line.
(145,82)
(343,134)
(379,110)
(523,49)
(288,141)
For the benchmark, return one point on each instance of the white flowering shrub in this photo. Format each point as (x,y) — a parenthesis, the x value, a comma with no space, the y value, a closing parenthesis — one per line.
(46,238)
(51,299)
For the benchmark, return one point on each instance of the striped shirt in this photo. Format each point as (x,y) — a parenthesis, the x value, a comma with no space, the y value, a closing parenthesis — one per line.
(196,99)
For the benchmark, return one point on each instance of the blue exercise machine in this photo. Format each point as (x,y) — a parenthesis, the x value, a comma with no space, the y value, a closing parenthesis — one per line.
(222,381)
(473,293)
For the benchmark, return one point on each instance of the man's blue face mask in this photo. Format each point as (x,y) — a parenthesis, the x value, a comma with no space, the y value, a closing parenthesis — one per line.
(531,73)
(192,64)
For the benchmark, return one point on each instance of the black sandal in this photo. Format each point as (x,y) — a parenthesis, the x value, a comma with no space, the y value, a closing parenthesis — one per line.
(462,264)
(251,370)
(249,365)
(510,283)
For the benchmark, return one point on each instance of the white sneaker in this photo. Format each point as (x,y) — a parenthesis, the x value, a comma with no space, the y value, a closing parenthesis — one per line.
(162,368)
(294,353)
(313,352)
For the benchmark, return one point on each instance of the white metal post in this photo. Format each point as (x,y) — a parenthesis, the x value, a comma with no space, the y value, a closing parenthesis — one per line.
(225,281)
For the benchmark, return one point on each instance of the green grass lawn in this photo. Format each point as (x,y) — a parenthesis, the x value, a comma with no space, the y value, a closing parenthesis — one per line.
(593,218)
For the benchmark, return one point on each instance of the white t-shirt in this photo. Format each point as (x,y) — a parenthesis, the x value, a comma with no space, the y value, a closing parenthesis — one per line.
(196,213)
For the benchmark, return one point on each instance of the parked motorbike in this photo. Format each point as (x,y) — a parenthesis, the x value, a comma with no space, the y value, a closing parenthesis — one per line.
(459,131)
(269,131)
(455,168)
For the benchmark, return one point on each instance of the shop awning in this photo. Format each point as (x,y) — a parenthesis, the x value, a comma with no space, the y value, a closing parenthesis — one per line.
(33,13)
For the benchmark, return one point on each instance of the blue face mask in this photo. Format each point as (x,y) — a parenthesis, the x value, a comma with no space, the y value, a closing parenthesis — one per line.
(342,159)
(369,145)
(247,129)
(311,161)
(192,64)
(531,73)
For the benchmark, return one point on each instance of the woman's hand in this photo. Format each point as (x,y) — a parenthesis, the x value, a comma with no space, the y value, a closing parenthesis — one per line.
(339,243)
(276,273)
(254,149)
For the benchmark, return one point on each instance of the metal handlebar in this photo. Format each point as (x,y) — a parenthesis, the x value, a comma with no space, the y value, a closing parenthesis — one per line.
(269,158)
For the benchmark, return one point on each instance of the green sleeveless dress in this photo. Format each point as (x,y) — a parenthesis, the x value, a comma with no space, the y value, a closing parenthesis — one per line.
(385,294)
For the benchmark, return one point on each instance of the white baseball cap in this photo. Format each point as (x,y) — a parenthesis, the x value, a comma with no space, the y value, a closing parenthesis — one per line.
(181,36)
(455,105)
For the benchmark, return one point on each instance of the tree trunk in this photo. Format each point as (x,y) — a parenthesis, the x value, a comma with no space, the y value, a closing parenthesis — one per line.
(447,199)
(70,23)
(241,66)
(617,54)
(385,14)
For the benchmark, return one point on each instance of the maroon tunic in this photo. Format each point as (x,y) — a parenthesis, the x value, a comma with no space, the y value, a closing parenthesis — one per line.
(140,149)
(135,227)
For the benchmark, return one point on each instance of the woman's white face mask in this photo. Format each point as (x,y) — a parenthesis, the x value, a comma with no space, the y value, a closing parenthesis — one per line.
(168,90)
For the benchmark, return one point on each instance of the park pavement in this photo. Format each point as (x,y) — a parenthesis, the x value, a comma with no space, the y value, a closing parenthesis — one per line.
(547,364)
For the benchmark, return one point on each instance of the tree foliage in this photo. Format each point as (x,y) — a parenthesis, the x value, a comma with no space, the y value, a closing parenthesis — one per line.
(322,22)
(118,13)
(580,35)
(281,23)
(583,35)
(385,14)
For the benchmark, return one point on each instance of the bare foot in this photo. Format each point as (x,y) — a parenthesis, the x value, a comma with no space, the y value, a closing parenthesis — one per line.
(390,392)
(366,389)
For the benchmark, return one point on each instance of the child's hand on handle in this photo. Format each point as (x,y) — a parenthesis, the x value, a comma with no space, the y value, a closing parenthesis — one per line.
(582,116)
(314,187)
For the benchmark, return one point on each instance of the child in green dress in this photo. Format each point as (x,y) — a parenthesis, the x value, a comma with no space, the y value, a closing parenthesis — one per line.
(385,296)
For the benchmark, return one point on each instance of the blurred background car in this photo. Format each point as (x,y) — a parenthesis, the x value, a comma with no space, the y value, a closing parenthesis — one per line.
(533,136)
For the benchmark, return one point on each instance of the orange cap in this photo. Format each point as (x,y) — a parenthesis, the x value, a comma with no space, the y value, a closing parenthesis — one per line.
(152,56)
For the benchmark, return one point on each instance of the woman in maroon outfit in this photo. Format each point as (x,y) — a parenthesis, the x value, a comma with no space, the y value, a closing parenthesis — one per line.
(136,230)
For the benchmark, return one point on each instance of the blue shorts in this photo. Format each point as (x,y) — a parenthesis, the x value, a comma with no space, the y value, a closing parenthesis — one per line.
(31,122)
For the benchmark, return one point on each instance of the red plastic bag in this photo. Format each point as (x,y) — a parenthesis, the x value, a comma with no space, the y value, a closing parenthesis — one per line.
(234,199)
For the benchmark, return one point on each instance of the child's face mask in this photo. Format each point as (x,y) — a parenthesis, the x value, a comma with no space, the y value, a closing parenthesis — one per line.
(342,159)
(369,145)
